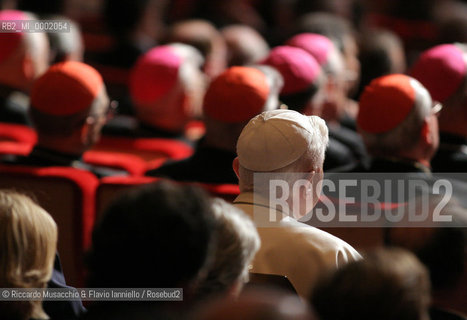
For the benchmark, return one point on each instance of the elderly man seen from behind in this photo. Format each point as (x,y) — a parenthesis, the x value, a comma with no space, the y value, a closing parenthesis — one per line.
(285,146)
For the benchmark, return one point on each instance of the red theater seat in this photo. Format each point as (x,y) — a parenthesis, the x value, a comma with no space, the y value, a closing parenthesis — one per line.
(109,187)
(68,194)
(17,133)
(153,150)
(16,139)
(134,165)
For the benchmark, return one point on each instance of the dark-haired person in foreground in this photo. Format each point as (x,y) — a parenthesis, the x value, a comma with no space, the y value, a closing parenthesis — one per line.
(333,108)
(156,236)
(441,247)
(385,285)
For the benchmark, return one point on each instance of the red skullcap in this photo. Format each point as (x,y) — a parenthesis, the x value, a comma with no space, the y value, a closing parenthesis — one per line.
(385,103)
(154,74)
(315,44)
(236,95)
(66,88)
(441,70)
(9,42)
(298,68)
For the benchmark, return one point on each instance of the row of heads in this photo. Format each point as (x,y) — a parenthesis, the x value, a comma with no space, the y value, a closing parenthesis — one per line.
(239,93)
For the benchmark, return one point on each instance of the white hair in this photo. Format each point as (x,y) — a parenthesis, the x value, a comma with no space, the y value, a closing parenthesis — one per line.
(334,65)
(275,83)
(313,158)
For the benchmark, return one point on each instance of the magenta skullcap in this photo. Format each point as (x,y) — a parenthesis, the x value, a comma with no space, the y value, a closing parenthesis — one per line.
(154,74)
(9,42)
(441,70)
(317,45)
(298,68)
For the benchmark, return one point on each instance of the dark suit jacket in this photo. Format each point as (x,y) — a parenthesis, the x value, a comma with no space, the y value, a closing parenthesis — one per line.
(61,310)
(41,157)
(207,164)
(451,155)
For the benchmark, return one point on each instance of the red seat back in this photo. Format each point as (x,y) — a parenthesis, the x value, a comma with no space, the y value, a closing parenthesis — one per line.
(109,187)
(16,139)
(132,164)
(17,133)
(153,150)
(68,194)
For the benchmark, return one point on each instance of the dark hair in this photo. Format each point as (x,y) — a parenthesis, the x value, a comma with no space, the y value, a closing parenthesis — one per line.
(442,252)
(444,255)
(42,7)
(155,236)
(298,101)
(122,16)
(376,46)
(386,284)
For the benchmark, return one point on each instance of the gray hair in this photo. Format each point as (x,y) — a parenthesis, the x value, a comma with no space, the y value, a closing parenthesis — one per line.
(237,243)
(407,134)
(275,83)
(313,157)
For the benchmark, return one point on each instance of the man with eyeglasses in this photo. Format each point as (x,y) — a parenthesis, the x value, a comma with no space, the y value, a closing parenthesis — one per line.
(398,123)
(69,106)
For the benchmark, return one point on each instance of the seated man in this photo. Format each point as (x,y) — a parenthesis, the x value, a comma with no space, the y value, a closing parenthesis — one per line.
(158,236)
(443,71)
(341,32)
(69,106)
(441,247)
(23,58)
(398,123)
(231,100)
(237,244)
(332,109)
(166,90)
(285,145)
(386,285)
